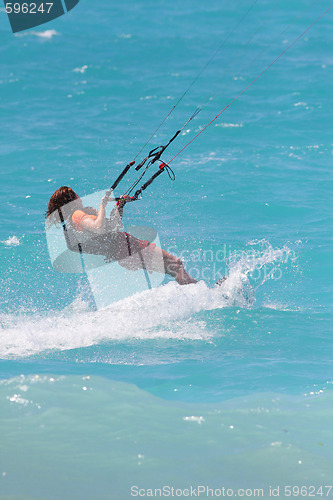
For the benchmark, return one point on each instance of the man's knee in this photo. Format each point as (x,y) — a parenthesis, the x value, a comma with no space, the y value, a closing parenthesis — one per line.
(174,265)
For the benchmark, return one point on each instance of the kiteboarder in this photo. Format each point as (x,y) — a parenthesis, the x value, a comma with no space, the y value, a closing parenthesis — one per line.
(105,236)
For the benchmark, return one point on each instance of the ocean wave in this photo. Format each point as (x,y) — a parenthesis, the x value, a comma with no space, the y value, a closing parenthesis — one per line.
(47,34)
(134,317)
(81,70)
(229,125)
(11,241)
(146,315)
(125,436)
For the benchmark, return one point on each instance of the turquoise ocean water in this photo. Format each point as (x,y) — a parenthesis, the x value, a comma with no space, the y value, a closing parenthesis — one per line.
(178,386)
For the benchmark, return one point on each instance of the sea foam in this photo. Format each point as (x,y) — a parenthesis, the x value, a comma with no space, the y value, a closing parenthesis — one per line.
(145,315)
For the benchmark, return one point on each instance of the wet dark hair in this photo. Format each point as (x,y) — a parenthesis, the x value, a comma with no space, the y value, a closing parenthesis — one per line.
(61,197)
